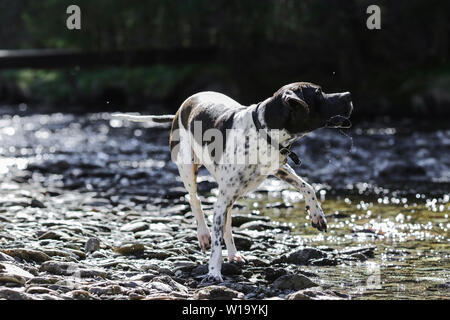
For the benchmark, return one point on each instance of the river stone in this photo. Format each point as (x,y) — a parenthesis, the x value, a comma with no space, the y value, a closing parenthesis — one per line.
(271,274)
(257,225)
(12,274)
(242,243)
(170,282)
(70,269)
(10,294)
(323,262)
(37,204)
(92,245)
(305,255)
(293,282)
(230,269)
(5,257)
(240,219)
(316,294)
(130,249)
(217,293)
(134,227)
(27,254)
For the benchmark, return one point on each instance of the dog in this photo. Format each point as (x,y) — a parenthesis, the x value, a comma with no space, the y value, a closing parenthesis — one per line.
(293,111)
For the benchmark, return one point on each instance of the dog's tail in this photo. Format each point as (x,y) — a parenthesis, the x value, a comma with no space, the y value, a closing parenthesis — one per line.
(135,118)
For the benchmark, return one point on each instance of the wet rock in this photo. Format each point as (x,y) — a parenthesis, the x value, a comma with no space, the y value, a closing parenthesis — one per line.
(217,293)
(293,282)
(242,243)
(271,274)
(37,204)
(200,270)
(157,254)
(316,294)
(70,269)
(135,227)
(175,286)
(230,269)
(92,245)
(5,257)
(257,225)
(240,219)
(39,290)
(323,262)
(305,255)
(130,249)
(81,295)
(10,294)
(27,254)
(54,235)
(10,273)
(107,290)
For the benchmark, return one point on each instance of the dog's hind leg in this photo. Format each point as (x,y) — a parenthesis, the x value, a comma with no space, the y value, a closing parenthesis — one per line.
(188,173)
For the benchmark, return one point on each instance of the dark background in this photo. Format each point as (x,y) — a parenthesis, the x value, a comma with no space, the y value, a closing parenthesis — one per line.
(246,49)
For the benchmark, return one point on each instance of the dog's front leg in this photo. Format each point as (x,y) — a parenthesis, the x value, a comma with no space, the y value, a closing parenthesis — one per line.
(286,173)
(215,261)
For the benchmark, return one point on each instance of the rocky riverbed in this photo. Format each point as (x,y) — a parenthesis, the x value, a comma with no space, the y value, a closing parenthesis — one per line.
(92,208)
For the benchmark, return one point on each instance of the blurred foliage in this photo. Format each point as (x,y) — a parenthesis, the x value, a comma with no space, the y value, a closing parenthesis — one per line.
(263,44)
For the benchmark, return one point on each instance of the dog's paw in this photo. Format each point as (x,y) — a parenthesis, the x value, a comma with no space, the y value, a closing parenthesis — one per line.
(204,238)
(211,278)
(318,220)
(237,258)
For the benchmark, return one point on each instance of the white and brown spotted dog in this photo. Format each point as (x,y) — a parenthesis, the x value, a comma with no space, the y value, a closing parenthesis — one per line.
(293,111)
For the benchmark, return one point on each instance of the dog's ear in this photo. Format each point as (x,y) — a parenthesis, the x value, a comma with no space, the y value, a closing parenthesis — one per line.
(290,98)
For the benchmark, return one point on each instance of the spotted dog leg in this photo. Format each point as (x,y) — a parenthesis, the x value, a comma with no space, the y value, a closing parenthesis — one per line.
(286,173)
(188,173)
(221,207)
(233,254)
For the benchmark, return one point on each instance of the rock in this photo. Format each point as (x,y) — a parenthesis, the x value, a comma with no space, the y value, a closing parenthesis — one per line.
(162,287)
(323,262)
(257,225)
(240,219)
(130,249)
(316,294)
(135,227)
(293,282)
(12,274)
(70,269)
(108,290)
(10,294)
(305,255)
(27,254)
(272,274)
(230,269)
(217,293)
(38,290)
(5,257)
(54,235)
(157,254)
(81,295)
(170,282)
(37,204)
(242,243)
(92,245)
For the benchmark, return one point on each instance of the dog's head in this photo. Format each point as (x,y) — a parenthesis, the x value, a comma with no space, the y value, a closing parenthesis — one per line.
(302,107)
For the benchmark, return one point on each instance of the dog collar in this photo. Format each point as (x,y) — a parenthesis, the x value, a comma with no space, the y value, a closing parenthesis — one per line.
(284,150)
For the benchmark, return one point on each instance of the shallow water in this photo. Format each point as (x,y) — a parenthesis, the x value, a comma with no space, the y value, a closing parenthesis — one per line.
(411,236)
